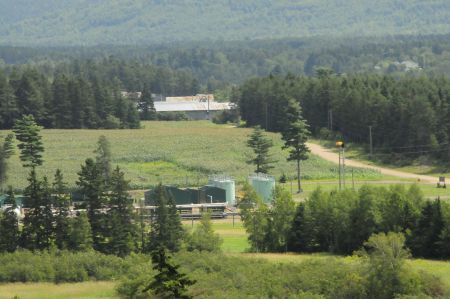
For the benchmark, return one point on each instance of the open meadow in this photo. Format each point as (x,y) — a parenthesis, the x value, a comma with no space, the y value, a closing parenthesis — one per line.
(183,153)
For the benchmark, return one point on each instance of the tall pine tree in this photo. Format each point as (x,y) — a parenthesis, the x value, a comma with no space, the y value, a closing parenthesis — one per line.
(123,231)
(295,134)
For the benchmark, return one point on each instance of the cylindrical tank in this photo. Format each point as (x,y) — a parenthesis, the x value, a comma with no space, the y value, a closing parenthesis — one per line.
(226,183)
(263,184)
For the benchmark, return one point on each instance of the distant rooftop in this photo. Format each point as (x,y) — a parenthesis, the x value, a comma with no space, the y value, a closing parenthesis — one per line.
(190,106)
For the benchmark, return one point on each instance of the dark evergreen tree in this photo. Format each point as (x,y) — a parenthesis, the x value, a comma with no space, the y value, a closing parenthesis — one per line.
(61,106)
(298,241)
(30,144)
(6,151)
(103,158)
(146,105)
(168,283)
(80,233)
(425,237)
(166,229)
(295,134)
(9,224)
(260,145)
(62,205)
(8,104)
(91,183)
(38,229)
(123,231)
(29,96)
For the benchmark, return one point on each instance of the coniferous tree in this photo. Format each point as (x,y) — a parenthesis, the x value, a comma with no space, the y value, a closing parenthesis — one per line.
(91,183)
(9,224)
(146,105)
(295,134)
(298,241)
(123,231)
(8,104)
(80,233)
(29,96)
(6,151)
(103,158)
(62,204)
(166,229)
(38,230)
(168,283)
(261,146)
(30,144)
(425,237)
(61,103)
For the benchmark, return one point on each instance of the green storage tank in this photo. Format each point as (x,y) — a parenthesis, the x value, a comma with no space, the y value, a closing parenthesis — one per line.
(226,183)
(264,185)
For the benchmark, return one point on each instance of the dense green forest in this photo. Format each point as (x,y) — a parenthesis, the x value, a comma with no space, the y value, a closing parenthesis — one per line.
(409,116)
(84,94)
(217,64)
(49,22)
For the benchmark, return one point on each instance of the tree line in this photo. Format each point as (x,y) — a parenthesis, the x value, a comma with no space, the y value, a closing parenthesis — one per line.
(341,221)
(85,94)
(408,116)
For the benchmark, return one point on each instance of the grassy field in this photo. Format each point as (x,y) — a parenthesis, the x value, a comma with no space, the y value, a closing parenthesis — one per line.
(184,153)
(85,290)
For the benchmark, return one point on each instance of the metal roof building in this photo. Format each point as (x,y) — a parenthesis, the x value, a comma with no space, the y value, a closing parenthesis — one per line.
(194,110)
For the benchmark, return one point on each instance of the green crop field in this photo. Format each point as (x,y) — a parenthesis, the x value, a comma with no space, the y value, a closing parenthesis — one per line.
(183,153)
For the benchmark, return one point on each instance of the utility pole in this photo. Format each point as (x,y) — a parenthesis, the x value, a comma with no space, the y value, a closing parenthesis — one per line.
(370,141)
(341,146)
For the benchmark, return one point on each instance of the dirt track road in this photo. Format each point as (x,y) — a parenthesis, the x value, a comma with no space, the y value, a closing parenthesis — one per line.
(333,157)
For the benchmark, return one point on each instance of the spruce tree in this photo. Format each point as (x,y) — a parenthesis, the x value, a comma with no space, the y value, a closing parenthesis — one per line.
(6,151)
(38,230)
(9,225)
(146,105)
(425,237)
(92,187)
(30,144)
(295,134)
(8,104)
(166,229)
(168,283)
(123,231)
(62,204)
(103,158)
(261,146)
(80,234)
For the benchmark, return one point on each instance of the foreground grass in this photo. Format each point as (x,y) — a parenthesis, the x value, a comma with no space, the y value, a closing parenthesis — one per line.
(184,153)
(85,290)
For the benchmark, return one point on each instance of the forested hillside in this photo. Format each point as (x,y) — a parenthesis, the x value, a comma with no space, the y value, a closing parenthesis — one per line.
(217,64)
(86,22)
